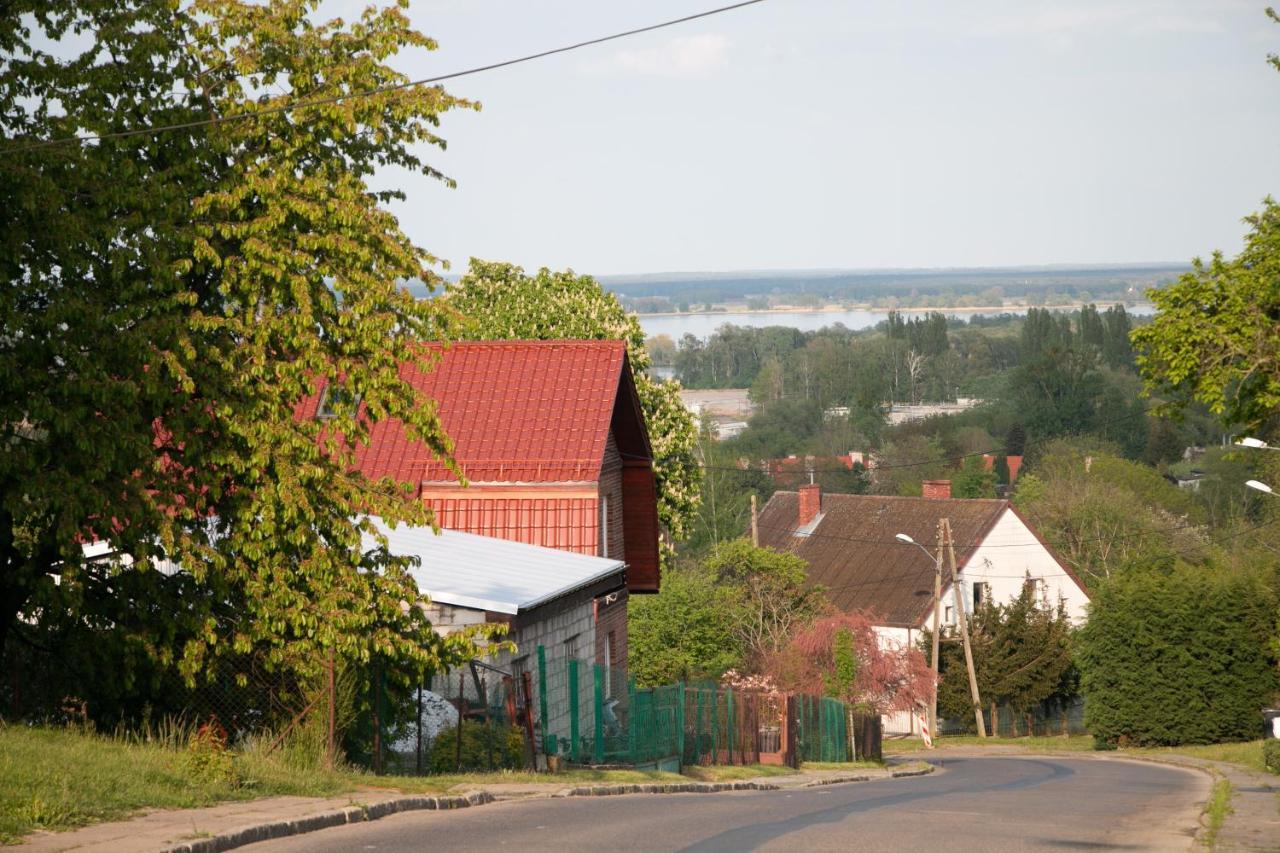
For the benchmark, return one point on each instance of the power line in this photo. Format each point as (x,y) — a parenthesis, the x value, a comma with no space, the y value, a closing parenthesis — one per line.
(380,90)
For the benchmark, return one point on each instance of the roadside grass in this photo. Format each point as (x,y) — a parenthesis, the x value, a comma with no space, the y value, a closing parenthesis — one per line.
(62,778)
(841,765)
(722,773)
(1216,810)
(1246,754)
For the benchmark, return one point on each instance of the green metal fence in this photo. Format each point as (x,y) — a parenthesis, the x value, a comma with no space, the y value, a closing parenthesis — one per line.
(593,714)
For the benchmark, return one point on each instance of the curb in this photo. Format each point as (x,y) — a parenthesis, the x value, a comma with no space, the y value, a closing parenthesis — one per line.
(325,820)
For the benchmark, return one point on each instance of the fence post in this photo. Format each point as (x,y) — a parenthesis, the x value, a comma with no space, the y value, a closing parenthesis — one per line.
(598,674)
(542,696)
(715,724)
(681,722)
(631,719)
(574,742)
(333,713)
(697,729)
(729,721)
(417,761)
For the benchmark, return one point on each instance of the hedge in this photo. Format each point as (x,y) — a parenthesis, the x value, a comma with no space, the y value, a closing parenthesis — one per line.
(1179,654)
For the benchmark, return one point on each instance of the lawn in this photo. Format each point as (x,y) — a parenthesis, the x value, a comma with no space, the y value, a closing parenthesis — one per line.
(57,778)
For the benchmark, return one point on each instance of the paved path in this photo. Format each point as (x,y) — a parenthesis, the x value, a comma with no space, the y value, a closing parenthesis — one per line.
(991,804)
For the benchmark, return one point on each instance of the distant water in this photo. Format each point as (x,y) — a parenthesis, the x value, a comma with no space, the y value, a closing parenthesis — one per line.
(703,325)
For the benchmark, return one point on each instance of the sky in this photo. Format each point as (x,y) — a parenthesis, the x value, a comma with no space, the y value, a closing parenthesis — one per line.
(805,134)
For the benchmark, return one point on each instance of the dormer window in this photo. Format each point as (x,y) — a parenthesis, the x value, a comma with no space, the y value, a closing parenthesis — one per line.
(337,401)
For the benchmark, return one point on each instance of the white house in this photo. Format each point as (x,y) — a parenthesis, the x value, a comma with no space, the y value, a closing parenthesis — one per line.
(850,544)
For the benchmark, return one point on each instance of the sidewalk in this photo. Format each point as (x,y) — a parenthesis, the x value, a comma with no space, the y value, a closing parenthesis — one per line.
(232,825)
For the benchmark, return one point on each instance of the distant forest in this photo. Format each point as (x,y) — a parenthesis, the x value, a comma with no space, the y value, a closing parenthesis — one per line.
(892,288)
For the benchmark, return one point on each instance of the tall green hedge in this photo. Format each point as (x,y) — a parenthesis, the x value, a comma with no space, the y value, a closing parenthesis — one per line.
(1179,654)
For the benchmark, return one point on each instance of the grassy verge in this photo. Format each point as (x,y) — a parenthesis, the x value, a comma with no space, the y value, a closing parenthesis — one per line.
(1216,810)
(841,765)
(58,779)
(1075,743)
(721,773)
(1247,755)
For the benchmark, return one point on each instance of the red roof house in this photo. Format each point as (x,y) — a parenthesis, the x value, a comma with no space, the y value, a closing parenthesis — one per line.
(551,439)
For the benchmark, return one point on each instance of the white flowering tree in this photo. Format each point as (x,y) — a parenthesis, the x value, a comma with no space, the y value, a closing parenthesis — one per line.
(499,301)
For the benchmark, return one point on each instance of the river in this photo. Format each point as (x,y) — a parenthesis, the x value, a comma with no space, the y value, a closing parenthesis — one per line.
(703,325)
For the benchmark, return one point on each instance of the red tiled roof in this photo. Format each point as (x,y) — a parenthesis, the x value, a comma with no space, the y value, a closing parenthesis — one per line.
(568,524)
(517,411)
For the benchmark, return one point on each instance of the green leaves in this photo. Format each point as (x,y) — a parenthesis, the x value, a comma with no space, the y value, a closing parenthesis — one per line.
(1216,338)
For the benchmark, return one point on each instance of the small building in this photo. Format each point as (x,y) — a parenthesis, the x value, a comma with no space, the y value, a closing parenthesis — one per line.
(572,604)
(850,545)
(552,441)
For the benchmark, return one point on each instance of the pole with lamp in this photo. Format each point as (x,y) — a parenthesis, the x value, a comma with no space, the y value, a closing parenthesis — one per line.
(937,618)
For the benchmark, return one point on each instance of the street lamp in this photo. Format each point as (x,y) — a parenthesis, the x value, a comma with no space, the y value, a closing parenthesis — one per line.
(1260,487)
(1255,443)
(937,617)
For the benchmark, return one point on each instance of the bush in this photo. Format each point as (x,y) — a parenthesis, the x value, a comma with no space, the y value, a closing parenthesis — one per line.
(208,757)
(1271,754)
(484,747)
(1177,655)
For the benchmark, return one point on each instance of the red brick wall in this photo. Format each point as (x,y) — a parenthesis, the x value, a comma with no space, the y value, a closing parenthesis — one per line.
(611,489)
(810,503)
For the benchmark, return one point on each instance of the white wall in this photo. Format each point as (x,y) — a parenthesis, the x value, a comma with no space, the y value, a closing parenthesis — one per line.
(1008,554)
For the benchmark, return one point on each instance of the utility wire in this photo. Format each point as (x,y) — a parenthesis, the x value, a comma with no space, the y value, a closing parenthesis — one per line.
(380,90)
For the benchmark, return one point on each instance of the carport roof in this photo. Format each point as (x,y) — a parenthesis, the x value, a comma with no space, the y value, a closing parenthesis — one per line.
(495,575)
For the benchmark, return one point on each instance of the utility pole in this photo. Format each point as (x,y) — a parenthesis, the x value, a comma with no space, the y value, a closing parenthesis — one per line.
(937,630)
(755,525)
(964,629)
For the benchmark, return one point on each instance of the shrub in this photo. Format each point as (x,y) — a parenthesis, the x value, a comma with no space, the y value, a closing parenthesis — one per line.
(1271,754)
(208,757)
(484,747)
(1177,655)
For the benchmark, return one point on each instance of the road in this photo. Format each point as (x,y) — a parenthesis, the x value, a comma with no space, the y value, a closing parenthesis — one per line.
(989,804)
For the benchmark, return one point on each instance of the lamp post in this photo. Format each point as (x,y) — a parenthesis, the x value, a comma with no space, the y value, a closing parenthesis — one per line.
(1259,486)
(937,618)
(1255,443)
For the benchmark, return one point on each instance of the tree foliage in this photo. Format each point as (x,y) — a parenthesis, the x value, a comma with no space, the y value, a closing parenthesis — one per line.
(1178,654)
(169,299)
(1216,336)
(682,634)
(841,656)
(1022,654)
(500,301)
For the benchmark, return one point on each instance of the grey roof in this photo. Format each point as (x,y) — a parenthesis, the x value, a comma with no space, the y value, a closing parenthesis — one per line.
(850,547)
(490,574)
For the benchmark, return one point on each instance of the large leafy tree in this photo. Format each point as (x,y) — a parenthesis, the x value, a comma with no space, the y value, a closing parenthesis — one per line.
(500,301)
(1216,338)
(169,297)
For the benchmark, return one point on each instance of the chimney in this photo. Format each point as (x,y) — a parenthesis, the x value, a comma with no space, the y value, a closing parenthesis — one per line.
(810,503)
(936,488)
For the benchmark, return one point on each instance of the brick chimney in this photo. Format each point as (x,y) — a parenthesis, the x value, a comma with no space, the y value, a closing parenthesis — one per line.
(936,488)
(810,503)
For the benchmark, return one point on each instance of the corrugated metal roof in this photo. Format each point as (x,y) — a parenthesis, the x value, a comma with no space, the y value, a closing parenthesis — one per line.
(851,550)
(484,573)
(517,412)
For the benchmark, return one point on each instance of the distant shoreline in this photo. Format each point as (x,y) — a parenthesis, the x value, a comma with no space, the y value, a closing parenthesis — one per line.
(840,309)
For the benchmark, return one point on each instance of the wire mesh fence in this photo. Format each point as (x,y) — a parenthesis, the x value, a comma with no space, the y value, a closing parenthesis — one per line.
(1049,718)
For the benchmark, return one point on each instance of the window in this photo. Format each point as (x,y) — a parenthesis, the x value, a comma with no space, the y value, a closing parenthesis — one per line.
(1035,586)
(570,646)
(981,594)
(337,401)
(949,616)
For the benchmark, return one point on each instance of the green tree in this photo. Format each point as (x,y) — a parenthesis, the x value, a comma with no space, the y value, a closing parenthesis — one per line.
(170,297)
(974,480)
(1178,654)
(1022,651)
(500,301)
(766,593)
(681,634)
(1214,338)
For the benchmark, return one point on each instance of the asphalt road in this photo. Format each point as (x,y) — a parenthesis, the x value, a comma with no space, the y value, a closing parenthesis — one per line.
(987,804)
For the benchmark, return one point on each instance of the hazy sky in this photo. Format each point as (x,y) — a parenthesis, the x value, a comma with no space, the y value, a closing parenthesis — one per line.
(840,133)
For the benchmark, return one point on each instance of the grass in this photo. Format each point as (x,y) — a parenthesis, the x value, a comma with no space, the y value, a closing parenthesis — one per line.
(1057,743)
(1247,754)
(724,773)
(61,778)
(841,765)
(1216,810)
